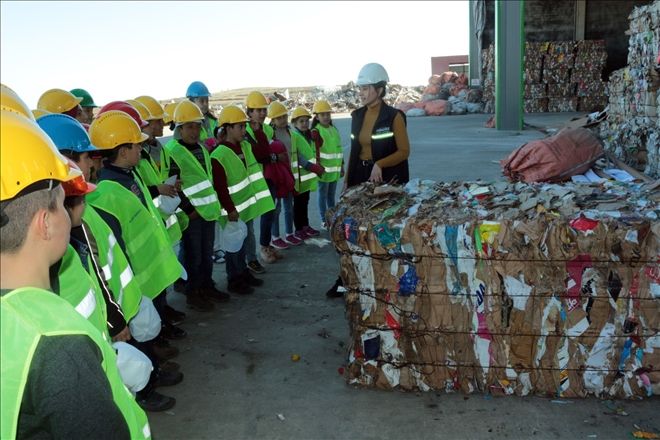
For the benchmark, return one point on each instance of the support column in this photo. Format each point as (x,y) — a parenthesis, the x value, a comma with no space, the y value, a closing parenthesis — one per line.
(509,52)
(475,51)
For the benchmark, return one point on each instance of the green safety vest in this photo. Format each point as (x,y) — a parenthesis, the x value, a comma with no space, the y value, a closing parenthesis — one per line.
(331,154)
(246,184)
(114,264)
(196,180)
(204,134)
(81,289)
(304,180)
(146,170)
(147,246)
(28,314)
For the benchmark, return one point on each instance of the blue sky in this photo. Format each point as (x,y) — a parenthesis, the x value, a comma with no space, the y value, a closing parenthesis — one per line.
(119,50)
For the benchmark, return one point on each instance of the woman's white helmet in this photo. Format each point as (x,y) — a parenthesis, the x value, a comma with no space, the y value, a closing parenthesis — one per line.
(372,73)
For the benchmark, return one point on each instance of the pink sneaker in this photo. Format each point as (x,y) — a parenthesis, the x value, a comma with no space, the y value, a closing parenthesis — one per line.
(279,244)
(293,240)
(311,231)
(301,235)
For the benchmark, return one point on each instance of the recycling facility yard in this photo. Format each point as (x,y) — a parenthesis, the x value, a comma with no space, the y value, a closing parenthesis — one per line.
(270,365)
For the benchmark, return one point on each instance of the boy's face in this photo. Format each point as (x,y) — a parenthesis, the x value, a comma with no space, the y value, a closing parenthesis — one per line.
(190,132)
(58,227)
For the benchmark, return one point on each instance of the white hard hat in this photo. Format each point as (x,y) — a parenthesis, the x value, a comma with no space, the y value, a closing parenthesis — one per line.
(372,73)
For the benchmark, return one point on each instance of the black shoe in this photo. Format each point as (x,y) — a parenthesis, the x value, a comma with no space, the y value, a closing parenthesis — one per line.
(251,280)
(333,291)
(240,287)
(170,331)
(180,285)
(170,366)
(155,402)
(213,294)
(196,301)
(172,315)
(163,350)
(256,267)
(167,378)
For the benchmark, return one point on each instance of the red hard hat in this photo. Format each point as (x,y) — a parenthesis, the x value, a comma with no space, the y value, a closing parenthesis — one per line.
(77,186)
(125,107)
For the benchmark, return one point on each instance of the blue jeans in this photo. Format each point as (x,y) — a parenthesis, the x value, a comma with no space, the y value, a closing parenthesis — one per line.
(266,221)
(198,253)
(250,242)
(235,263)
(288,216)
(326,197)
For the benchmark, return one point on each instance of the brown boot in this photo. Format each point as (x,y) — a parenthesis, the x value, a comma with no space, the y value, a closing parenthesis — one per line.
(196,301)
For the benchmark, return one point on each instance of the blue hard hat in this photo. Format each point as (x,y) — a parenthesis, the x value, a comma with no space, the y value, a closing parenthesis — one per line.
(197,89)
(66,132)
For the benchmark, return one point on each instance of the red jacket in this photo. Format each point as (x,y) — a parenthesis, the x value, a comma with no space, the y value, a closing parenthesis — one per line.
(280,172)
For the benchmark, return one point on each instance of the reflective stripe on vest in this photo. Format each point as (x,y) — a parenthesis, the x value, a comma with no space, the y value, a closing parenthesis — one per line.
(196,180)
(29,314)
(147,246)
(246,185)
(81,289)
(147,173)
(303,180)
(330,154)
(385,135)
(114,264)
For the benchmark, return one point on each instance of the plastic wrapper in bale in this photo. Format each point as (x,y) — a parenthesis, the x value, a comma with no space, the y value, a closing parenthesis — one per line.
(506,289)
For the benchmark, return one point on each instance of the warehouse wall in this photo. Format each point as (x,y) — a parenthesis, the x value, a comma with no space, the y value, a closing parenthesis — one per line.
(554,20)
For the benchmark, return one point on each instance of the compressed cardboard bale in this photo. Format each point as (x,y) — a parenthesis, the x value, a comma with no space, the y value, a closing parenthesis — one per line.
(502,288)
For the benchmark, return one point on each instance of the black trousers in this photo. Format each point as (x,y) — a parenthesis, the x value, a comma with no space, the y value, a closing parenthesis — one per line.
(300,207)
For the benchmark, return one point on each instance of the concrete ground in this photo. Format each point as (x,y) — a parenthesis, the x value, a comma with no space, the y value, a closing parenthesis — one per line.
(241,382)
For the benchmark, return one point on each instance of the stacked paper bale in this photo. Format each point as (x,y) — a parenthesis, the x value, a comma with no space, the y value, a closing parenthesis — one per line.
(488,78)
(558,76)
(502,288)
(536,91)
(632,130)
(590,58)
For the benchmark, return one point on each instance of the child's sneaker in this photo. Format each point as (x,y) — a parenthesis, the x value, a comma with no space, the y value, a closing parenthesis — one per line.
(278,243)
(301,235)
(293,240)
(310,231)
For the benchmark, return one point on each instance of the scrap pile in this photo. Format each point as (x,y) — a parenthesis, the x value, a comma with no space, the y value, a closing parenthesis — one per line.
(632,129)
(445,94)
(558,76)
(345,98)
(502,288)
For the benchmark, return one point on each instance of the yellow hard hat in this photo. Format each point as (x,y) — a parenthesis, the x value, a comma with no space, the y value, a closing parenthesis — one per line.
(256,100)
(232,115)
(187,111)
(299,112)
(153,106)
(27,155)
(58,101)
(9,100)
(37,112)
(142,109)
(168,114)
(321,107)
(114,128)
(276,109)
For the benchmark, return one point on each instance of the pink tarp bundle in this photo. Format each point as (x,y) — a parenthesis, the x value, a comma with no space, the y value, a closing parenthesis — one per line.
(570,152)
